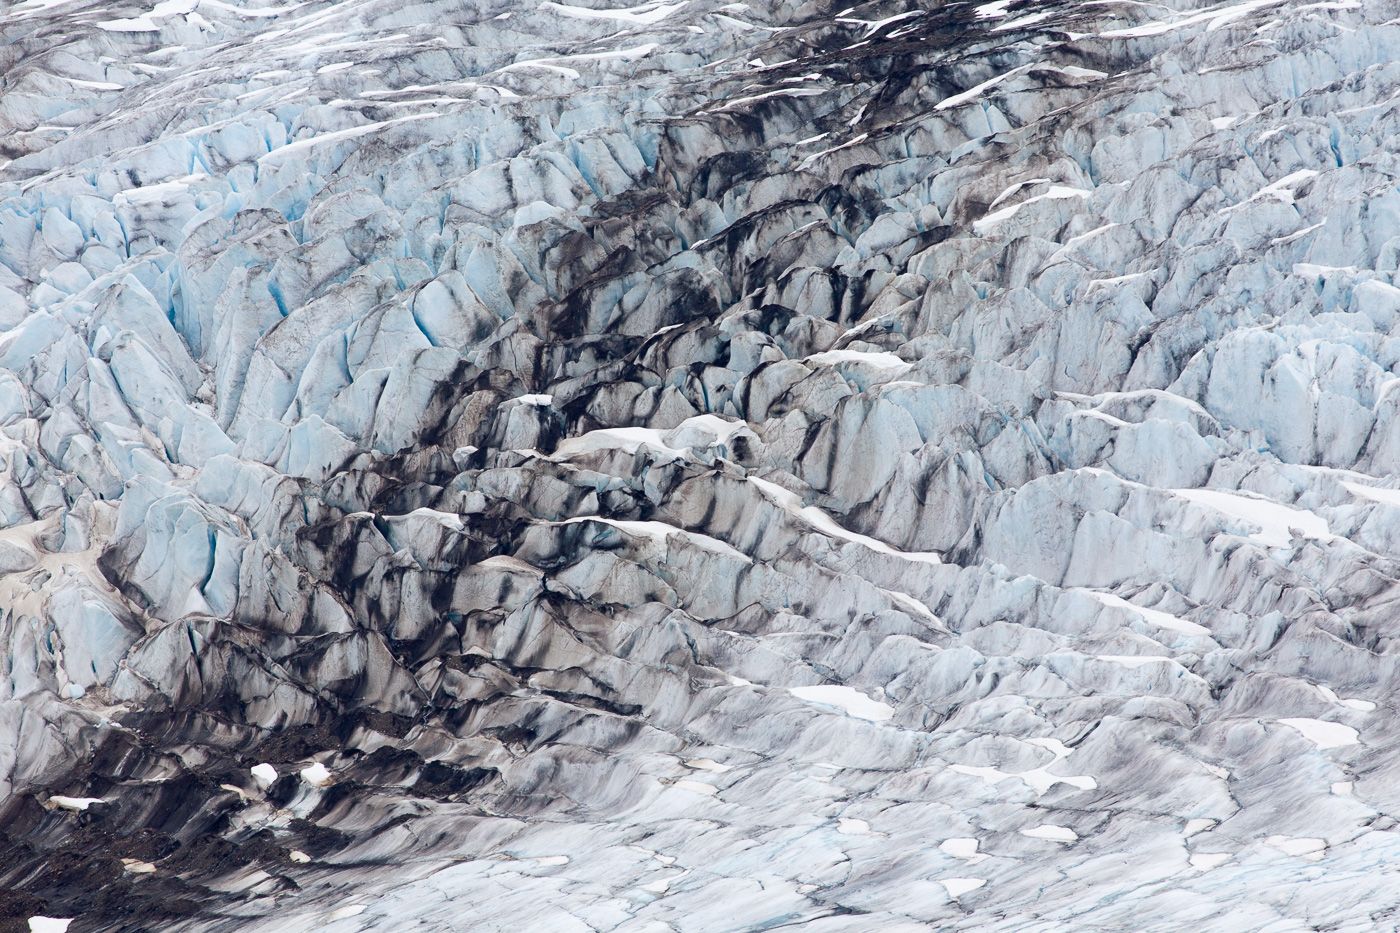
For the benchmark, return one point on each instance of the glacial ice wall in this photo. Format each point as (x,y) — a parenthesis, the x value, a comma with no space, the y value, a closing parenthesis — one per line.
(699,466)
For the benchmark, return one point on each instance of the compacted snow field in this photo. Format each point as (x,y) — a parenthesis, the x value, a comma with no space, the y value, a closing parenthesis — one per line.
(699,466)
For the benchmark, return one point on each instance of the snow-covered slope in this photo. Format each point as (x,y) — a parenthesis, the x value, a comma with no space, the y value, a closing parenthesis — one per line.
(699,466)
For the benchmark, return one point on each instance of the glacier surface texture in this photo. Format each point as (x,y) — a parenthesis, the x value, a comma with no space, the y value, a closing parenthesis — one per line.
(699,466)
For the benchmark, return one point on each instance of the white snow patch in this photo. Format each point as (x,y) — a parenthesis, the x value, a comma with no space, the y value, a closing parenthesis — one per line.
(1322,733)
(1343,788)
(1039,779)
(1281,190)
(1053,193)
(780,92)
(790,503)
(1276,522)
(957,887)
(697,787)
(852,827)
(963,847)
(1134,660)
(699,432)
(1215,17)
(662,885)
(627,440)
(1012,189)
(252,12)
(660,531)
(1297,235)
(1051,833)
(834,357)
(1024,21)
(348,911)
(92,85)
(976,91)
(1153,616)
(49,924)
(1374,493)
(710,428)
(914,607)
(553,64)
(449,520)
(76,804)
(992,10)
(159,193)
(648,14)
(811,159)
(1054,746)
(847,699)
(1073,71)
(317,774)
(146,22)
(1365,706)
(873,26)
(1205,861)
(301,145)
(1069,244)
(1307,847)
(1198,826)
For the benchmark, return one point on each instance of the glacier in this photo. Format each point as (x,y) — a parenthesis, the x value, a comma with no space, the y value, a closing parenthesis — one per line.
(699,466)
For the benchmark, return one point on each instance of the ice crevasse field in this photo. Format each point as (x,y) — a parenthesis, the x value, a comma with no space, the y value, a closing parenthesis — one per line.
(699,466)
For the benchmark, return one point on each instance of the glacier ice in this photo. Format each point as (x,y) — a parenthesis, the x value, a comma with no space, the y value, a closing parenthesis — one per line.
(698,465)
